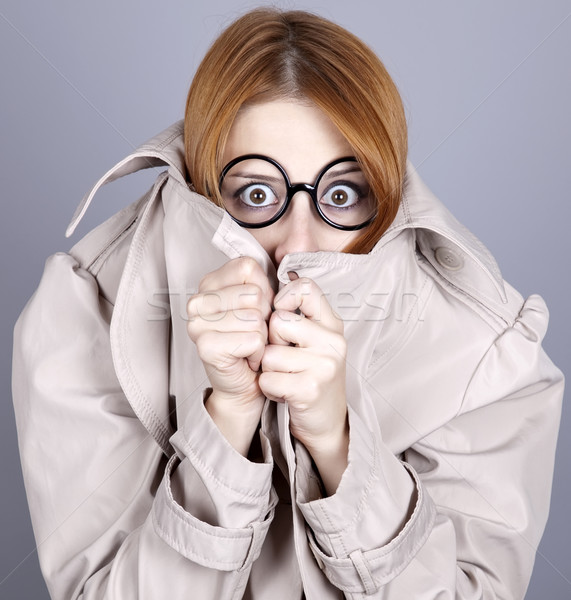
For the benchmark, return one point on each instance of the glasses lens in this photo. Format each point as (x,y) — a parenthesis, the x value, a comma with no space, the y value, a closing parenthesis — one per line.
(253,191)
(344,196)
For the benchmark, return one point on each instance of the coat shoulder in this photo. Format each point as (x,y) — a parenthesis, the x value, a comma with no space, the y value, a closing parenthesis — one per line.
(470,284)
(103,251)
(453,257)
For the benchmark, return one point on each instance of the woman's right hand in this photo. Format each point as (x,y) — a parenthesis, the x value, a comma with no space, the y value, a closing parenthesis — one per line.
(228,322)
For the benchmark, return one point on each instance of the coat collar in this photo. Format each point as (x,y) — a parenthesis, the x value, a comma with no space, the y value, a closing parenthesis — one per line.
(449,247)
(165,149)
(426,223)
(445,243)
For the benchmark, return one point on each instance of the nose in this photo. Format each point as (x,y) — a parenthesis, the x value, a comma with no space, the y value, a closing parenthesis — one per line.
(299,228)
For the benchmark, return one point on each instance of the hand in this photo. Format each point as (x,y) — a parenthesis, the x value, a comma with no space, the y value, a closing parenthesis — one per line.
(228,323)
(310,375)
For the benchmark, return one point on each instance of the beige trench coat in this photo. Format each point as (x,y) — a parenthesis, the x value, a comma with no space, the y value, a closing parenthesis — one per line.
(453,409)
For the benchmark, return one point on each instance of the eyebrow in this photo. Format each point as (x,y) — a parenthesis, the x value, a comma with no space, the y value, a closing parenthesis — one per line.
(270,179)
(336,173)
(257,177)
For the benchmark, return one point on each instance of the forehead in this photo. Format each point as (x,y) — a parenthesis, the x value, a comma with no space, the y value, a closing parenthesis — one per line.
(298,135)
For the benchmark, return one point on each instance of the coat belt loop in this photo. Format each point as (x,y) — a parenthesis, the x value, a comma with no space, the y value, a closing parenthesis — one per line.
(362,568)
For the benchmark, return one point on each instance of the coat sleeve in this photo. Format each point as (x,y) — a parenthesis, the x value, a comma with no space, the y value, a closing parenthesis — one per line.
(482,485)
(114,519)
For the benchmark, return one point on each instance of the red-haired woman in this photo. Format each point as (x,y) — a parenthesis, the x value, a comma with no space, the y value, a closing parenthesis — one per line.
(287,371)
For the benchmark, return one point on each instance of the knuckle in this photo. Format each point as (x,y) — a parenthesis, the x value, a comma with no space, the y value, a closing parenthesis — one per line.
(341,345)
(246,266)
(329,368)
(204,283)
(192,306)
(260,340)
(312,389)
(194,329)
(205,348)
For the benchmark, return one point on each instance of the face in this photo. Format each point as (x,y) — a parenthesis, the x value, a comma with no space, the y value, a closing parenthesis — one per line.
(302,139)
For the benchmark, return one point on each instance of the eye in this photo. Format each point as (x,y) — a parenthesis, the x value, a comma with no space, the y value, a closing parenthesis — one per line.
(257,195)
(340,195)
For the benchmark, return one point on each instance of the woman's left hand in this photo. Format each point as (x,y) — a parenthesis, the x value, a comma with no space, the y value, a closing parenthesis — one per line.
(304,365)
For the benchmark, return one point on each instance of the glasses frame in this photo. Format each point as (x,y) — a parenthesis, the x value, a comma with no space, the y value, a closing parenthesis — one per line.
(292,190)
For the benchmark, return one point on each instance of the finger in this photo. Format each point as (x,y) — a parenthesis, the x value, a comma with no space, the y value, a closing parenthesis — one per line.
(285,359)
(287,328)
(245,319)
(277,386)
(277,334)
(237,271)
(304,294)
(221,350)
(230,298)
(301,390)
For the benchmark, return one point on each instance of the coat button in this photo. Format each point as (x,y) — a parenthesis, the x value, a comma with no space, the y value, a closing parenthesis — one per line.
(449,259)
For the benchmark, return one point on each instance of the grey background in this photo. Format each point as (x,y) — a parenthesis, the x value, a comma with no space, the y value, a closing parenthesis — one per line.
(487,90)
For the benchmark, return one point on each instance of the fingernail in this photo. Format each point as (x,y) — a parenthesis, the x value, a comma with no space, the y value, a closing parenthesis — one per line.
(292,275)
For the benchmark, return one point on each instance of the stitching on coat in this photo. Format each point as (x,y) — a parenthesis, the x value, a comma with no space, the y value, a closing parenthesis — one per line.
(188,551)
(397,344)
(497,322)
(424,505)
(147,411)
(97,263)
(240,537)
(372,477)
(209,471)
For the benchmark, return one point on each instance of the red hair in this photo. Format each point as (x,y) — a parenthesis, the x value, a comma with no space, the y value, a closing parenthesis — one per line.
(270,54)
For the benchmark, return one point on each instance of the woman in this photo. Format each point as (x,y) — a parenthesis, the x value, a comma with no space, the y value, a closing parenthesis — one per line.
(286,371)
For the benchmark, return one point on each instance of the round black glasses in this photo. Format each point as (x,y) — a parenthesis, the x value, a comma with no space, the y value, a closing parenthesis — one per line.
(256,192)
